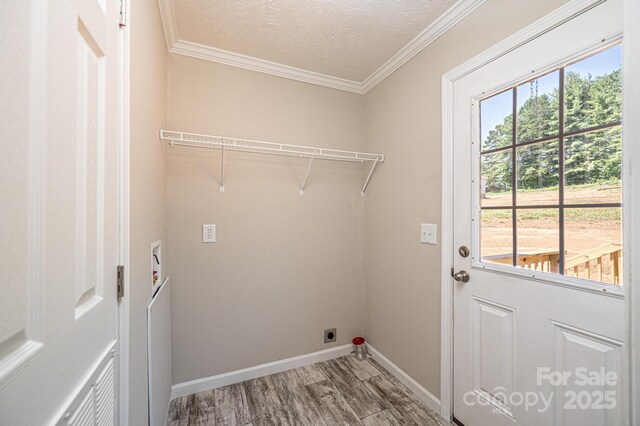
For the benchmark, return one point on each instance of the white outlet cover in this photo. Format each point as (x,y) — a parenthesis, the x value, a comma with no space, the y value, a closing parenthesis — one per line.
(208,233)
(428,233)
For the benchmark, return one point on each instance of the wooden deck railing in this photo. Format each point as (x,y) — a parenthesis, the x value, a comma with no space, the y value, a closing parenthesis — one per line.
(602,263)
(542,261)
(589,265)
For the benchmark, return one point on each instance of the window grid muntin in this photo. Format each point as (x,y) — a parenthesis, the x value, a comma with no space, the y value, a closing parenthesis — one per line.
(561,136)
(561,179)
(570,134)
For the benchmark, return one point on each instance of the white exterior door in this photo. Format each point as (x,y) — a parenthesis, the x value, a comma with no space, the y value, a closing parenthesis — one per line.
(539,327)
(59,77)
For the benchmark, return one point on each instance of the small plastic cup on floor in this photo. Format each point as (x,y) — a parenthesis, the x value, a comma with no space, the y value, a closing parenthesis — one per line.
(359,348)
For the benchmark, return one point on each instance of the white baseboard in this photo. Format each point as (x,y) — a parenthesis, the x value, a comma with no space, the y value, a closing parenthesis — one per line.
(427,397)
(225,379)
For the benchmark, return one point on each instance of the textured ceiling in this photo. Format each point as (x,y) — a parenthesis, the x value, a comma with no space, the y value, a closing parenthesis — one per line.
(348,39)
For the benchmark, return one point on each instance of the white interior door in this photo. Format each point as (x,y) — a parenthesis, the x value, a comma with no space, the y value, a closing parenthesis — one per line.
(58,195)
(537,184)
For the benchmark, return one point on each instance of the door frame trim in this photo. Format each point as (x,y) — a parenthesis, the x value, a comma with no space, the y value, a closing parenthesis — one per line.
(124,136)
(631,131)
(554,19)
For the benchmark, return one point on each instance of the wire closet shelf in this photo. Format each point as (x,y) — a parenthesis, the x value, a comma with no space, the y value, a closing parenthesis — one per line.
(224,143)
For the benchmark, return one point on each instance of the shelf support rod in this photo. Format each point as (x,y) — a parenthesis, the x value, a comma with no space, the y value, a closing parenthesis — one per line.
(222,171)
(366,182)
(306,176)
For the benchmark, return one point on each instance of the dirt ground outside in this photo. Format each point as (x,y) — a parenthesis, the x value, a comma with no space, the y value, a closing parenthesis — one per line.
(582,194)
(538,229)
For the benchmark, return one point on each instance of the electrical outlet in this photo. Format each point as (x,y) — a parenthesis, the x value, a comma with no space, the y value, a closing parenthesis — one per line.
(428,233)
(208,233)
(330,335)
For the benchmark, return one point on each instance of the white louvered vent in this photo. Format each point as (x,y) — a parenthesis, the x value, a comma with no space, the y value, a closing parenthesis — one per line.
(95,405)
(85,413)
(105,396)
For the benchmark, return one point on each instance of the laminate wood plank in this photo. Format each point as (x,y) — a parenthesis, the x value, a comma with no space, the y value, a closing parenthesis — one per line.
(184,411)
(435,415)
(432,413)
(437,418)
(202,412)
(415,400)
(358,396)
(265,407)
(242,405)
(176,408)
(296,400)
(231,406)
(404,408)
(384,372)
(311,374)
(224,408)
(363,370)
(334,408)
(382,418)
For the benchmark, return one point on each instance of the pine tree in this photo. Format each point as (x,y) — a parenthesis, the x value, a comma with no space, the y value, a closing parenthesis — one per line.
(589,158)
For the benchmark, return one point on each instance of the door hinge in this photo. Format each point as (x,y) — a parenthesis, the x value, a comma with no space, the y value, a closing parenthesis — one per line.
(120,286)
(123,13)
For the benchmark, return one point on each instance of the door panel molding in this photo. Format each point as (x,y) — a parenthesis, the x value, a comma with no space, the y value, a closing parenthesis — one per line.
(494,326)
(22,339)
(567,343)
(90,171)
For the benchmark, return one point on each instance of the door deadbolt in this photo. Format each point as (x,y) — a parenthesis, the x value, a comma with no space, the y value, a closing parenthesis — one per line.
(464,251)
(462,276)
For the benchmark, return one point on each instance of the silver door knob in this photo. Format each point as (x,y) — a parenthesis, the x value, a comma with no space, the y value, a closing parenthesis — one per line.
(462,276)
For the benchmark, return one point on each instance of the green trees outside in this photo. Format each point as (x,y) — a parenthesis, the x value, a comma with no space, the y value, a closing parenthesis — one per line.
(591,158)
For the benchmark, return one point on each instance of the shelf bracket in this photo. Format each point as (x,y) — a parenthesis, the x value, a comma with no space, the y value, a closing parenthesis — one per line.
(366,182)
(222,170)
(306,176)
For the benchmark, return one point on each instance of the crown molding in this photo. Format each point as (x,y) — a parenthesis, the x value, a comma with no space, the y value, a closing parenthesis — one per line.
(447,20)
(183,47)
(225,57)
(168,22)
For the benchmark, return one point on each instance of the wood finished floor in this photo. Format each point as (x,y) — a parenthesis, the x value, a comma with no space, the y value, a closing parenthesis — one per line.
(342,391)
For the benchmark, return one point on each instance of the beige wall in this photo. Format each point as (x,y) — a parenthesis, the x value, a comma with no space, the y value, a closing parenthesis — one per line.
(147,185)
(403,121)
(285,266)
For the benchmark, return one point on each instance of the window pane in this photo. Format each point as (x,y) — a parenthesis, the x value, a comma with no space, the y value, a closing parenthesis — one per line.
(593,164)
(495,179)
(539,239)
(496,121)
(593,243)
(539,108)
(496,236)
(538,170)
(593,90)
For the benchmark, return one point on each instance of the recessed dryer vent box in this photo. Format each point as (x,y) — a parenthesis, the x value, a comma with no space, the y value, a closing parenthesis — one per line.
(156,266)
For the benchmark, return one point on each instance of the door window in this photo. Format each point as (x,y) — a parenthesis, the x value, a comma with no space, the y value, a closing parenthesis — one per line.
(550,171)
